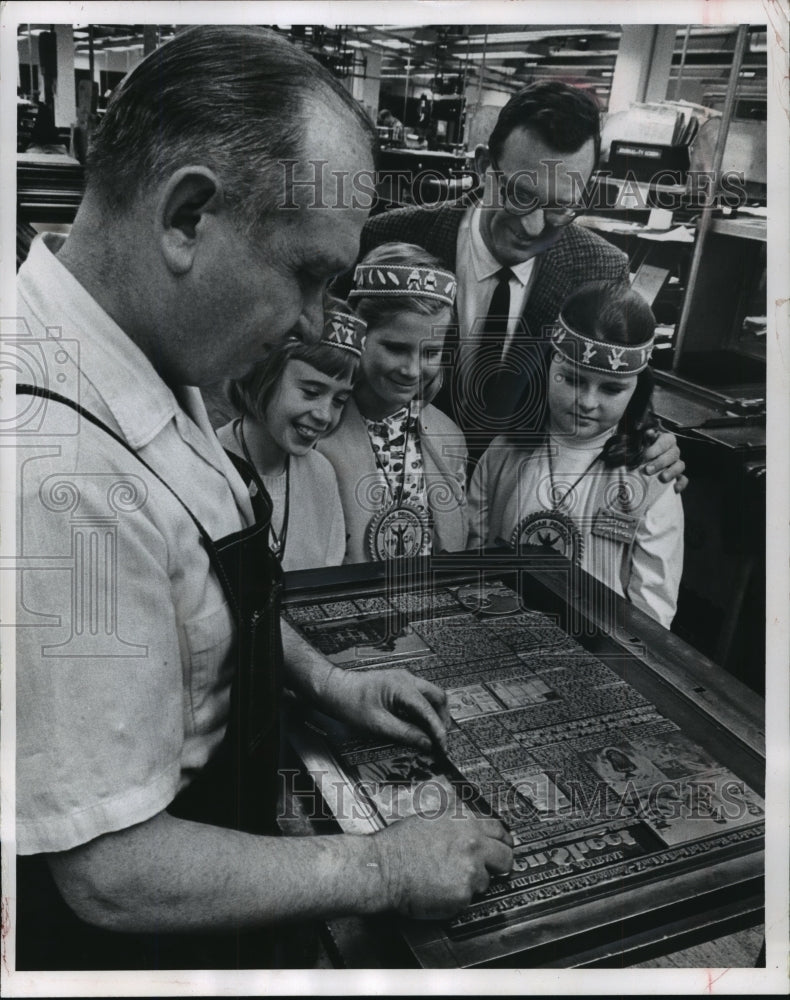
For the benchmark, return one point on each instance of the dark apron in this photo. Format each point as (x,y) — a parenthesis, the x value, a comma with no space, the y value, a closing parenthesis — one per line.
(237,788)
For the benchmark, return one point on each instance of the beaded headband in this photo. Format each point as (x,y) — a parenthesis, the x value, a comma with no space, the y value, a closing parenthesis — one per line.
(599,355)
(344,330)
(403,279)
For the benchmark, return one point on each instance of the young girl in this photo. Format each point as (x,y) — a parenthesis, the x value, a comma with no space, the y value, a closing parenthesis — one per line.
(577,489)
(287,404)
(400,462)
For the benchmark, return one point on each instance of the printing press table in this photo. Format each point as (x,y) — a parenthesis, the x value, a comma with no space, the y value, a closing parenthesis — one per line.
(629,768)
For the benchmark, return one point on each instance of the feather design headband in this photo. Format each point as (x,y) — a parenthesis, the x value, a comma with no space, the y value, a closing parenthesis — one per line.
(599,355)
(344,330)
(403,279)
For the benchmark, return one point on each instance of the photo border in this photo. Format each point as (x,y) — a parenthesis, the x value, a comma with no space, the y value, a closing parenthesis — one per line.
(330,982)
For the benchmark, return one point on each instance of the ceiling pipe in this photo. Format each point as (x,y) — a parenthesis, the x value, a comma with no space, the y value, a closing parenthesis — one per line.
(91,57)
(406,92)
(682,65)
(30,56)
(704,223)
(462,103)
(481,75)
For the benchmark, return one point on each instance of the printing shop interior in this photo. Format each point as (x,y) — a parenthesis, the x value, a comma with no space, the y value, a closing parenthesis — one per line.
(698,104)
(680,190)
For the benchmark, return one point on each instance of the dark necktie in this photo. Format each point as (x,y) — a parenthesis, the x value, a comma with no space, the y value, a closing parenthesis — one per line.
(499,307)
(480,392)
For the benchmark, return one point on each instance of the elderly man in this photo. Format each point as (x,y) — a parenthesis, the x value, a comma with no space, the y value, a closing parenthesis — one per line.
(517,256)
(146,711)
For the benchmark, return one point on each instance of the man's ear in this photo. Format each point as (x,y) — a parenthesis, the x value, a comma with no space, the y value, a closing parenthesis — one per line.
(482,160)
(191,197)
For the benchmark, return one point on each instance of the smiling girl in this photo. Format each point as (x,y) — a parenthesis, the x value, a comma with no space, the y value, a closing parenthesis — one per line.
(287,404)
(577,490)
(400,462)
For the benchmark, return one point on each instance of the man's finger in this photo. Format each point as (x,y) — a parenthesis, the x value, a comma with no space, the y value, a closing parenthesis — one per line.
(496,830)
(499,858)
(673,472)
(437,697)
(420,710)
(657,460)
(481,881)
(404,732)
(662,453)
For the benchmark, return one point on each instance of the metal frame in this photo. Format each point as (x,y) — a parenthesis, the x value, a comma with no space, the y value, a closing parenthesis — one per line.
(699,897)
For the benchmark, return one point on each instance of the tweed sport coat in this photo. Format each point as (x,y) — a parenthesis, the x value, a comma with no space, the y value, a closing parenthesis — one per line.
(578,256)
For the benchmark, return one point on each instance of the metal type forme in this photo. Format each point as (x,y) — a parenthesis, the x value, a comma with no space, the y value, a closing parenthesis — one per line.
(628,767)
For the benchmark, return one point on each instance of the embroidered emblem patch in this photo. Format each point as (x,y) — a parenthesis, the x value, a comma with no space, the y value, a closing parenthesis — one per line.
(549,531)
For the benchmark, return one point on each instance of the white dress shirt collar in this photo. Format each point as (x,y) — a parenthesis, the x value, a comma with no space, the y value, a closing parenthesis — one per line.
(484,262)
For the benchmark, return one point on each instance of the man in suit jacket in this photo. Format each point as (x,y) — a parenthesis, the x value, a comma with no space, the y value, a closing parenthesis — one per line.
(535,169)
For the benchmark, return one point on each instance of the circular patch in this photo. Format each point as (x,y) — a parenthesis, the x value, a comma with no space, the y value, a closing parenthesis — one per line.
(549,531)
(398,533)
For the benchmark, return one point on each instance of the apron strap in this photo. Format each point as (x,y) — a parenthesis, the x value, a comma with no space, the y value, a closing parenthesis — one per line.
(243,564)
(237,788)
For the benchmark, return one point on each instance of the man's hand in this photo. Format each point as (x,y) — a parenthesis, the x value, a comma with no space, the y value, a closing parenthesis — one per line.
(168,875)
(431,868)
(663,457)
(390,703)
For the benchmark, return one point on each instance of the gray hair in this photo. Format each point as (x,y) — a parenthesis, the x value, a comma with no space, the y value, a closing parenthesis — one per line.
(236,99)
